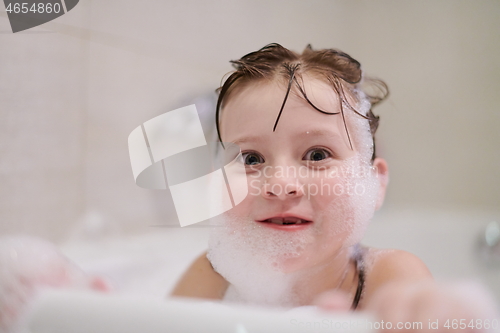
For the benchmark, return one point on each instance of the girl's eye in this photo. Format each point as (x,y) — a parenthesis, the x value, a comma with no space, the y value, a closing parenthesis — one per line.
(252,158)
(317,154)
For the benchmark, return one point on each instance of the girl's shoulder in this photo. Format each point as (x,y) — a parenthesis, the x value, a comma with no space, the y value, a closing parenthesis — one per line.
(201,281)
(390,265)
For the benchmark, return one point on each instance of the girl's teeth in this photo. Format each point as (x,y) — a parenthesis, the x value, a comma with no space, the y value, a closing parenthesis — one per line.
(286,220)
(290,220)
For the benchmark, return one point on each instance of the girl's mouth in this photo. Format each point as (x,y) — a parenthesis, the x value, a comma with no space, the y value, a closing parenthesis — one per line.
(286,223)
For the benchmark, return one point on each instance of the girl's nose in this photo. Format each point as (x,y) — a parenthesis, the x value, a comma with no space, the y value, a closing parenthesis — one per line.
(275,188)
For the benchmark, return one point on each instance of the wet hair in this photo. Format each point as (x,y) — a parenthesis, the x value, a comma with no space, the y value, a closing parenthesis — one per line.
(337,68)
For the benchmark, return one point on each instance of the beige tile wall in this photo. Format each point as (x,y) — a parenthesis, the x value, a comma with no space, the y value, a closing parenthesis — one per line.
(69,98)
(43,117)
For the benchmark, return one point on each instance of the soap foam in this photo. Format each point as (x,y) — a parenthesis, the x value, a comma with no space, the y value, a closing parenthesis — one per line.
(359,208)
(251,257)
(354,210)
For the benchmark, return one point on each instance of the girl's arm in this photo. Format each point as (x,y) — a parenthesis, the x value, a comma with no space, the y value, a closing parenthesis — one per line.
(393,266)
(400,290)
(405,293)
(201,281)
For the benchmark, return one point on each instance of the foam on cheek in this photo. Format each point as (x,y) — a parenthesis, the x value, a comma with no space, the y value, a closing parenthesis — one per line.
(355,209)
(357,188)
(363,200)
(252,257)
(351,205)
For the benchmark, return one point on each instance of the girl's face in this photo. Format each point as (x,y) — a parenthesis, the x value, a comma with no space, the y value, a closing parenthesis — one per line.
(310,194)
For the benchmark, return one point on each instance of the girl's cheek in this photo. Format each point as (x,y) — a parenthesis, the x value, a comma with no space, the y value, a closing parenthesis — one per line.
(254,188)
(323,191)
(244,208)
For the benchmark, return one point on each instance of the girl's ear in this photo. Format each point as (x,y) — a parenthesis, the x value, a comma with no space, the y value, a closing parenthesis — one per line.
(382,174)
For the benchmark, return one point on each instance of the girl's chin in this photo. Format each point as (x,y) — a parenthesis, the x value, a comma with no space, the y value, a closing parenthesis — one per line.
(291,264)
(308,260)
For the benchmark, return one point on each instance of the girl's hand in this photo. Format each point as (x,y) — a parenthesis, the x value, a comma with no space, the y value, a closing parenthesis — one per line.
(439,307)
(333,300)
(424,306)
(29,264)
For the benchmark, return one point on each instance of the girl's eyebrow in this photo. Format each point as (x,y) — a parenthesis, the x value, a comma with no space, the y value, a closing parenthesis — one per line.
(246,139)
(320,132)
(305,134)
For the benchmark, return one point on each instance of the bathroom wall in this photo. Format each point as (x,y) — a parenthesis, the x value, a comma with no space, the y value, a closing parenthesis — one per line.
(43,124)
(74,88)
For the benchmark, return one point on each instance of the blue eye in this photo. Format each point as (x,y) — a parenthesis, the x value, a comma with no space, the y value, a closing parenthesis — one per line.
(317,154)
(252,158)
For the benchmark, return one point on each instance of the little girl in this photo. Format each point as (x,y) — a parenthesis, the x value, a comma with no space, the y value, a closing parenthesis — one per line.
(305,126)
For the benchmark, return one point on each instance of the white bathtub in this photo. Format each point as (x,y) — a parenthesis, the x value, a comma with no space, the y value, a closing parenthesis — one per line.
(145,264)
(150,263)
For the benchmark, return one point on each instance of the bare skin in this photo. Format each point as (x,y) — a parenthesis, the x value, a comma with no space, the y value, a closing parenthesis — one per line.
(201,281)
(388,266)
